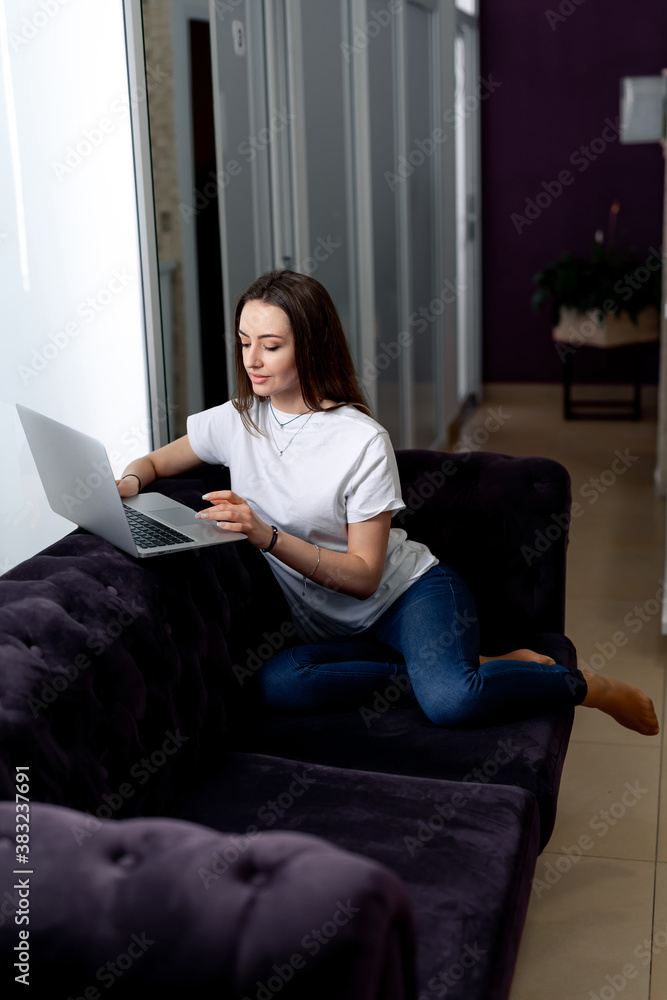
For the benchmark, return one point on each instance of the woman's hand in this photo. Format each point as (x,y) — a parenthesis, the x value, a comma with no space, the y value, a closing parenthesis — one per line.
(233,513)
(357,572)
(128,486)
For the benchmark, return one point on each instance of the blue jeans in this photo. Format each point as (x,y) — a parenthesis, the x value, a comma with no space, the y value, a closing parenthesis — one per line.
(429,637)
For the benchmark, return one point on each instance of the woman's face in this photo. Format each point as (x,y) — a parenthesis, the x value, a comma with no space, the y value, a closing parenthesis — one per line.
(267,348)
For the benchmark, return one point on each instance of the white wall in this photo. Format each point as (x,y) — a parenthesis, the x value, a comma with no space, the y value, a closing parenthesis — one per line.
(72,330)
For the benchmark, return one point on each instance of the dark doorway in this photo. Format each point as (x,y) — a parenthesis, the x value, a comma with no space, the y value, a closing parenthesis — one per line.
(209,261)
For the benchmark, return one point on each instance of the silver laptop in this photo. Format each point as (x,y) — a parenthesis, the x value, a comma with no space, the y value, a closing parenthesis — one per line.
(80,485)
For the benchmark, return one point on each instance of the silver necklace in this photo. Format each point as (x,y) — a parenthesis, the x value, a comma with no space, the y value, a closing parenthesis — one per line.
(279,422)
(282,452)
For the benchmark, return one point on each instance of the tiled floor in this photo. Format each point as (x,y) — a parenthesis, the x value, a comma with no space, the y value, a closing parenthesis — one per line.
(597,921)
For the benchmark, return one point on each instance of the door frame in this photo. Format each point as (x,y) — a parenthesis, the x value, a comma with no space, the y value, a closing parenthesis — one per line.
(182,12)
(473,216)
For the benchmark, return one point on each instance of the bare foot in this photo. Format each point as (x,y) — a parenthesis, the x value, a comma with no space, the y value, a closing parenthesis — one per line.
(519,654)
(628,705)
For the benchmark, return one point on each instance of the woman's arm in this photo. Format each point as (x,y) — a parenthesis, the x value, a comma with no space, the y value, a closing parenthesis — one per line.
(169,460)
(356,572)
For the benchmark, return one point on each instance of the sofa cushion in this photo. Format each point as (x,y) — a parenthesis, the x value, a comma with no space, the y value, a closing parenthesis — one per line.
(400,739)
(465,851)
(152,905)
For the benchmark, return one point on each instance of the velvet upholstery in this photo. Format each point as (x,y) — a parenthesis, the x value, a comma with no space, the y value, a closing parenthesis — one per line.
(502,524)
(149,904)
(528,753)
(125,682)
(465,851)
(102,655)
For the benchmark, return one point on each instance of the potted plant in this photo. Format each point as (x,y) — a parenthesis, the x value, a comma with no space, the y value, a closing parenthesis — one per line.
(605,300)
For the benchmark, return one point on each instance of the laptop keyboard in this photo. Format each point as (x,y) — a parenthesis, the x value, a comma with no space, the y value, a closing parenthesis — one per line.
(150,534)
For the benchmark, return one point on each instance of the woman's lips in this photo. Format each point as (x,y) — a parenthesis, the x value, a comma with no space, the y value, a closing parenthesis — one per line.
(259,378)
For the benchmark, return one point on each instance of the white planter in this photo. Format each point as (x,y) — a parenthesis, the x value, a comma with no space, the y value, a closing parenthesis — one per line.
(586,330)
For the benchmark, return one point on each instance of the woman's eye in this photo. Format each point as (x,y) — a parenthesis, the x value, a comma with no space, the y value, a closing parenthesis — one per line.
(271,348)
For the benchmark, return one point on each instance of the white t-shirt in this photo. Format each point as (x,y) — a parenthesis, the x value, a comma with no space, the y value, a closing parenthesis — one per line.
(337,467)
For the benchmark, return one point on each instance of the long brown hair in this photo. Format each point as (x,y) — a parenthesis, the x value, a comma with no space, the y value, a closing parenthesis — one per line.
(323,360)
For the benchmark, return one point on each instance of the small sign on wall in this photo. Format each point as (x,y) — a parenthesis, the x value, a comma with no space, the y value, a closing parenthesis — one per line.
(643,103)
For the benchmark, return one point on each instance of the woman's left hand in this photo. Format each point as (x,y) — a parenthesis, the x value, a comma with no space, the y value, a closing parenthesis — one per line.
(233,513)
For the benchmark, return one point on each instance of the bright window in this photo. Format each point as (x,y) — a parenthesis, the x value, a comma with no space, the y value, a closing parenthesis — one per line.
(72,337)
(467,6)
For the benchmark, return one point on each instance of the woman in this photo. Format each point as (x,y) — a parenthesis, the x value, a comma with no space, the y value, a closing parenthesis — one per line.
(315,484)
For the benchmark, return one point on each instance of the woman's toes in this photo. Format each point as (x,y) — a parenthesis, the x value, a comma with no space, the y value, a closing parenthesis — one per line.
(526,655)
(623,702)
(532,656)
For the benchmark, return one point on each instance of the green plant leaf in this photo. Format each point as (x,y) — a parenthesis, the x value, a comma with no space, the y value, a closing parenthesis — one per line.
(608,281)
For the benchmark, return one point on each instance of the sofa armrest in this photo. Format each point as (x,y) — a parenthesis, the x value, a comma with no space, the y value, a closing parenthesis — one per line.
(163,904)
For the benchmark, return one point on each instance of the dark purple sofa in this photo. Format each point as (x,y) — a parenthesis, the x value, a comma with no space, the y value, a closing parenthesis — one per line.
(129,689)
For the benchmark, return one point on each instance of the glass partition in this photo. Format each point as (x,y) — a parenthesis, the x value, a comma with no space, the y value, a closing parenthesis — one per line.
(383,366)
(426,304)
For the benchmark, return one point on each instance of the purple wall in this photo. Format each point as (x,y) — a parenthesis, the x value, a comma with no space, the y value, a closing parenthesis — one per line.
(558,86)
